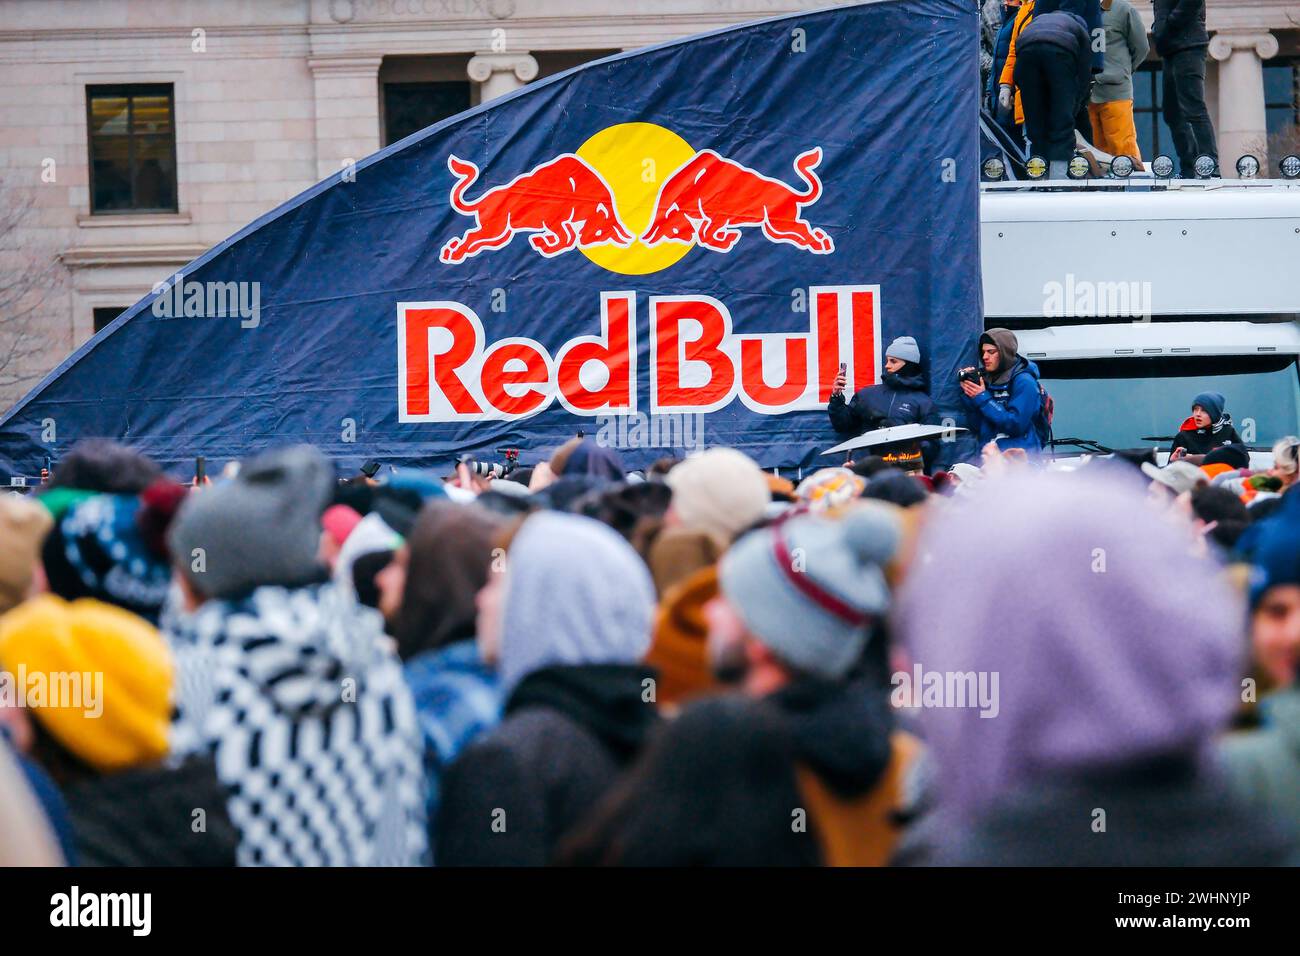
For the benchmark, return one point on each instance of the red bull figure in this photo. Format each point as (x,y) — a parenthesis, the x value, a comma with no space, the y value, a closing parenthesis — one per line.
(710,196)
(551,200)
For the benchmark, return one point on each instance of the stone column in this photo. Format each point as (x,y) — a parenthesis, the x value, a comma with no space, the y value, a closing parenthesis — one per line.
(1242,125)
(347,110)
(501,73)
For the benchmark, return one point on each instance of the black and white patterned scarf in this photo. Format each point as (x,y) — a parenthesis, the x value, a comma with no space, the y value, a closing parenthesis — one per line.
(301,701)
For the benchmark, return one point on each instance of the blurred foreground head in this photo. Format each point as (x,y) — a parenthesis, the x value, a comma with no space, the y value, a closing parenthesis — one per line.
(720,492)
(1112,644)
(807,590)
(260,528)
(23,526)
(574,592)
(447,556)
(98,464)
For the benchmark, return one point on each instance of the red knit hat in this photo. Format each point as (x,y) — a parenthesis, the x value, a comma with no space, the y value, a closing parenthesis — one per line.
(338,522)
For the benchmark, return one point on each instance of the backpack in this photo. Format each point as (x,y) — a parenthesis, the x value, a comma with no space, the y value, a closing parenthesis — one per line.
(1043,417)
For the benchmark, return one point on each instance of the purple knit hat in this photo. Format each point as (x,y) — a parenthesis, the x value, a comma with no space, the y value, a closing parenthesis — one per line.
(1111,641)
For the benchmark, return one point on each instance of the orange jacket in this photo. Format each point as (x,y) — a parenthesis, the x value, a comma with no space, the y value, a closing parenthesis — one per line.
(861,830)
(1009,69)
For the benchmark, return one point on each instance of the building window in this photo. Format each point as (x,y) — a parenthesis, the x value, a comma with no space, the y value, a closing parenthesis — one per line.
(410,107)
(103,316)
(132,135)
(1153,135)
(1282,94)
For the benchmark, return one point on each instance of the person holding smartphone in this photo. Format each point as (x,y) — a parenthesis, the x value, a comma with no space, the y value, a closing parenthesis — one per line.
(899,399)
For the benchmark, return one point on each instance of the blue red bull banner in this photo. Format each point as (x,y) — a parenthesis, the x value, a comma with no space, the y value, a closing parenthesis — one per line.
(704,232)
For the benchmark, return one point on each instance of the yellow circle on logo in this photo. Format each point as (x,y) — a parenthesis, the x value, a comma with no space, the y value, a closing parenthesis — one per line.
(635,159)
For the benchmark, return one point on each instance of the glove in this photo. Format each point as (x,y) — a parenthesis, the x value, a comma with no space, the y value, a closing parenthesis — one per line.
(1004,96)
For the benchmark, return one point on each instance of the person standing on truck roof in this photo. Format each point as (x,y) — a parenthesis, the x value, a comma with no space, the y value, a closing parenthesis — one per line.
(1001,49)
(1053,70)
(1004,399)
(1008,97)
(1007,93)
(899,399)
(991,18)
(1182,41)
(1111,106)
(1207,428)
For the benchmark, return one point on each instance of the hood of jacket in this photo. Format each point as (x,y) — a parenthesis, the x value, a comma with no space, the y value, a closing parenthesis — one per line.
(1008,356)
(1093,670)
(911,377)
(297,645)
(1076,7)
(607,699)
(1019,365)
(840,731)
(576,593)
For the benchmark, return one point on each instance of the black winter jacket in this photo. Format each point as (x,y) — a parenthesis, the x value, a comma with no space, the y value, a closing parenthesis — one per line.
(1067,35)
(146,817)
(567,734)
(1154,817)
(840,730)
(899,399)
(1178,25)
(1202,441)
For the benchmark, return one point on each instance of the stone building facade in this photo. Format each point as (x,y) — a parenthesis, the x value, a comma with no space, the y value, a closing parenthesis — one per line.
(135,134)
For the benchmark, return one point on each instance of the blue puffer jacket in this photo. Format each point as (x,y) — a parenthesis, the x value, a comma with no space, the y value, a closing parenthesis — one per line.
(1008,409)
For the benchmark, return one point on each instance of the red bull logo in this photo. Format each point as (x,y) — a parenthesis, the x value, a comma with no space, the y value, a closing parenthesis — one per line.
(634,199)
(569,203)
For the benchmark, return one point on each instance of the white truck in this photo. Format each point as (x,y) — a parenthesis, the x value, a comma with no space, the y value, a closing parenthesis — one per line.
(1133,296)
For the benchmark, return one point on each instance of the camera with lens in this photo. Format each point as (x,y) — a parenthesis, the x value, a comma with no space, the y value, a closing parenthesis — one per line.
(491,469)
(970,374)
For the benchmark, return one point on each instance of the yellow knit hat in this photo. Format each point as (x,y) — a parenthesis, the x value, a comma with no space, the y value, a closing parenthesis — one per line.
(125,674)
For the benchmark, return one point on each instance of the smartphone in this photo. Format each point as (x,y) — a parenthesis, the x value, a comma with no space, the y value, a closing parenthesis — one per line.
(200,470)
(844,368)
(370,468)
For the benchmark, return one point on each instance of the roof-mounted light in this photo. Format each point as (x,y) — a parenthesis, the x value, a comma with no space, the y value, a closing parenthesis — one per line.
(1121,167)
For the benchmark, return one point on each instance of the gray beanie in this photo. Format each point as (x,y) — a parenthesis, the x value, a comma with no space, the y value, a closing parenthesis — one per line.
(808,587)
(905,348)
(262,527)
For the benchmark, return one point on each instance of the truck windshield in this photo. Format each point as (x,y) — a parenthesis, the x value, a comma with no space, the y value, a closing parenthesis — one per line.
(1118,401)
